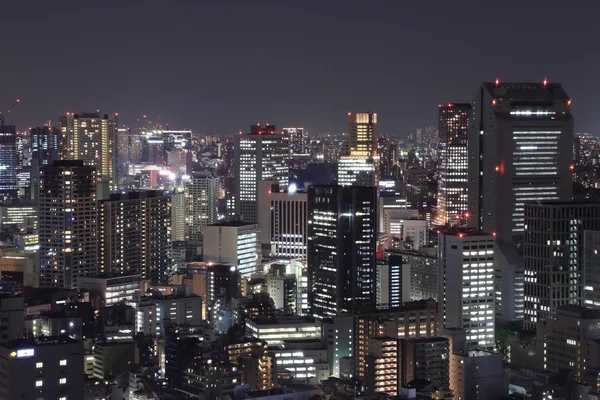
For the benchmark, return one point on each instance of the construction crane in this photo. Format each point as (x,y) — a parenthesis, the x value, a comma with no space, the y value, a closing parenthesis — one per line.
(8,110)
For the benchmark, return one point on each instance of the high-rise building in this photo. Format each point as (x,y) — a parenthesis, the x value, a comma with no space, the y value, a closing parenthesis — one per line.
(591,269)
(201,194)
(9,189)
(296,138)
(67,223)
(44,150)
(362,138)
(282,216)
(178,214)
(359,166)
(342,230)
(466,284)
(134,234)
(388,158)
(260,155)
(92,138)
(452,199)
(233,242)
(553,253)
(520,149)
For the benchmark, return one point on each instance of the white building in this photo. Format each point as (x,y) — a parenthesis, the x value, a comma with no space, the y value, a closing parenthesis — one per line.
(112,288)
(284,328)
(235,243)
(416,230)
(201,194)
(282,216)
(181,310)
(466,285)
(305,360)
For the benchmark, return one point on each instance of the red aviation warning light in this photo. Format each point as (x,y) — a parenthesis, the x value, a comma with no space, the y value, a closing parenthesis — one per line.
(497,81)
(493,102)
(545,82)
(571,167)
(569,102)
(461,235)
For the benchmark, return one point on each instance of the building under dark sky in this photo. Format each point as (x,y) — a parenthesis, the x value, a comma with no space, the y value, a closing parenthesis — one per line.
(214,66)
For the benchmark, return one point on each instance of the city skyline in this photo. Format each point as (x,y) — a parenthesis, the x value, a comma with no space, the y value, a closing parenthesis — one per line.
(212,59)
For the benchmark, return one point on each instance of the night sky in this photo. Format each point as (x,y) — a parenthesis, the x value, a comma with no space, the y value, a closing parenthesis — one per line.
(219,66)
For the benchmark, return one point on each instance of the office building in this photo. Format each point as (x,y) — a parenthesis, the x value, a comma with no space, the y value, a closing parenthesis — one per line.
(427,358)
(12,322)
(415,233)
(478,374)
(553,255)
(452,199)
(67,223)
(260,155)
(418,274)
(92,138)
(571,341)
(177,309)
(42,368)
(134,234)
(289,329)
(111,289)
(178,213)
(44,150)
(282,216)
(20,266)
(9,189)
(510,283)
(112,359)
(362,137)
(19,216)
(342,229)
(234,242)
(388,158)
(304,360)
(520,149)
(201,194)
(466,284)
(296,137)
(356,171)
(591,269)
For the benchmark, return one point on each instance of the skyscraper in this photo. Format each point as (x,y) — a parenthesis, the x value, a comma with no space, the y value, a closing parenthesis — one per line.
(92,138)
(9,189)
(260,155)
(553,252)
(359,166)
(201,194)
(134,234)
(466,284)
(452,199)
(520,149)
(342,230)
(296,139)
(44,150)
(67,223)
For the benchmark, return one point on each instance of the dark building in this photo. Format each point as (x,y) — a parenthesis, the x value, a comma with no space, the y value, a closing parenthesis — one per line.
(342,228)
(452,198)
(520,149)
(44,151)
(553,253)
(134,234)
(9,189)
(67,223)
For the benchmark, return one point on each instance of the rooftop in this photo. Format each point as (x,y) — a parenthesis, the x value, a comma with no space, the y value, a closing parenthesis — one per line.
(41,341)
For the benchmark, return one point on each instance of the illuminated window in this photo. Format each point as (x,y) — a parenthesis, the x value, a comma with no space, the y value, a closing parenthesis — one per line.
(39,365)
(38,383)
(62,381)
(63,362)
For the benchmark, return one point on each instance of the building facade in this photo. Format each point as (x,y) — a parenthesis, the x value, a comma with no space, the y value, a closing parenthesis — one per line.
(67,223)
(533,165)
(201,194)
(9,189)
(260,155)
(342,226)
(236,243)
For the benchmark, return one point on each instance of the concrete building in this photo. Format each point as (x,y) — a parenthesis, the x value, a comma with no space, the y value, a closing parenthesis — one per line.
(234,242)
(571,341)
(520,146)
(112,359)
(509,281)
(554,257)
(415,233)
(357,171)
(15,217)
(427,358)
(452,198)
(111,289)
(260,155)
(9,188)
(466,284)
(178,309)
(282,216)
(134,231)
(42,368)
(19,265)
(478,374)
(91,138)
(591,269)
(13,318)
(342,229)
(290,329)
(67,223)
(201,194)
(305,360)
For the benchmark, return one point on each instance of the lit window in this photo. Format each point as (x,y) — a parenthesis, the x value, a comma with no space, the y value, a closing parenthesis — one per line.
(62,381)
(38,383)
(62,398)
(63,362)
(39,365)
